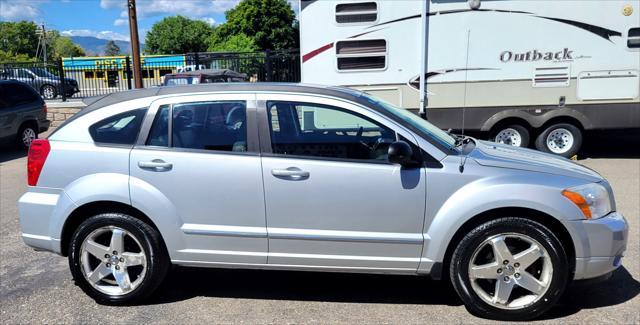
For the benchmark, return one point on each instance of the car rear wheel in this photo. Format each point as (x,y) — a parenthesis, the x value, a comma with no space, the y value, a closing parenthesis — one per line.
(48,92)
(562,139)
(117,259)
(509,269)
(26,135)
(515,135)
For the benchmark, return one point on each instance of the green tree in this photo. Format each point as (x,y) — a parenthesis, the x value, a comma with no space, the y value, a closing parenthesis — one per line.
(19,38)
(112,49)
(270,23)
(177,35)
(13,57)
(235,43)
(63,47)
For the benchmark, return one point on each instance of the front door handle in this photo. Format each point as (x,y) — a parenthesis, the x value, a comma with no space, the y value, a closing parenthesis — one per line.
(294,173)
(156,165)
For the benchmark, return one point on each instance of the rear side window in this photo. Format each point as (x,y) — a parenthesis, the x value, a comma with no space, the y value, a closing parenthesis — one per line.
(633,40)
(118,129)
(219,125)
(14,94)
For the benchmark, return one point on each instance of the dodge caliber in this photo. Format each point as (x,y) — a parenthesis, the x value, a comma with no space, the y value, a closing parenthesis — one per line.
(299,177)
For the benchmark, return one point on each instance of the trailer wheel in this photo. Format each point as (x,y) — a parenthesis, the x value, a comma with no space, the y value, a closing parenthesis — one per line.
(512,134)
(562,139)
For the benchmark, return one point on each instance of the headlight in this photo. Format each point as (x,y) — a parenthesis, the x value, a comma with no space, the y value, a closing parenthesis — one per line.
(592,199)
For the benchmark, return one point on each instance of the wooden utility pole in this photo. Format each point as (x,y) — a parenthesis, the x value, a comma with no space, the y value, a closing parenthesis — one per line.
(135,43)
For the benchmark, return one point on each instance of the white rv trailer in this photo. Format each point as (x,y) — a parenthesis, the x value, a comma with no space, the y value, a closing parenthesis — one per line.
(521,70)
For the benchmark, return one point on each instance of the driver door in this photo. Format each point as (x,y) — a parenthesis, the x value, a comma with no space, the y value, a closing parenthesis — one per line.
(332,199)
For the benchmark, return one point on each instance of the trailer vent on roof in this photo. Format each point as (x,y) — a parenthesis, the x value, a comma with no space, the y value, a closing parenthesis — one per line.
(360,12)
(552,77)
(633,40)
(361,54)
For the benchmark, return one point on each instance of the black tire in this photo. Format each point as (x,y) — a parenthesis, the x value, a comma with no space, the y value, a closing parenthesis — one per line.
(156,257)
(48,92)
(24,131)
(523,131)
(541,140)
(459,268)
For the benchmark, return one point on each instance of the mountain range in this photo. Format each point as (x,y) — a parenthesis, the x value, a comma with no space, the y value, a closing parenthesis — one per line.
(96,46)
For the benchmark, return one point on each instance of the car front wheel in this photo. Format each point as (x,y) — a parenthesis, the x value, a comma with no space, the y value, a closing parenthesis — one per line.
(117,259)
(509,269)
(48,92)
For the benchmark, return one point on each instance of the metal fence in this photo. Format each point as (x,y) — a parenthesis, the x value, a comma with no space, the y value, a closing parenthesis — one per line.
(84,77)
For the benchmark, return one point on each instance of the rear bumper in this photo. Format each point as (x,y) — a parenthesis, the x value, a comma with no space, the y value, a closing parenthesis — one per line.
(600,244)
(39,210)
(44,125)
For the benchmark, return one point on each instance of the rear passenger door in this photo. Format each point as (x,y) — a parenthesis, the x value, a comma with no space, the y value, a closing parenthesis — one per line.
(199,154)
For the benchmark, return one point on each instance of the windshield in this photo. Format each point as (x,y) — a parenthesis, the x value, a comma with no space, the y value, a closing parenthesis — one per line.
(416,121)
(40,72)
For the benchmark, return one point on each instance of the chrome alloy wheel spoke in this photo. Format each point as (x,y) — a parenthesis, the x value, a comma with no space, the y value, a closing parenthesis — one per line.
(112,274)
(509,271)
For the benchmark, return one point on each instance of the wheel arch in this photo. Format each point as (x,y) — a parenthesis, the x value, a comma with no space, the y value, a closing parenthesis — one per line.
(545,219)
(563,119)
(509,121)
(88,210)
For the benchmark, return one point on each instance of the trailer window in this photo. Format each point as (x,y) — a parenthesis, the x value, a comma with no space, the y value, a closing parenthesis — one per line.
(633,40)
(362,54)
(361,12)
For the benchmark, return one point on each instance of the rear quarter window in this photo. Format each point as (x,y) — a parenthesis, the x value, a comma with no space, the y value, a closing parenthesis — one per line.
(120,129)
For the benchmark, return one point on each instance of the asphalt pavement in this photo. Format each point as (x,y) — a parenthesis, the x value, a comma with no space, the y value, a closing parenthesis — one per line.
(36,287)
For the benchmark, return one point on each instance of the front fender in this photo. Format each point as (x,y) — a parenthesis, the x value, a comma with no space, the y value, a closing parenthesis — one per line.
(535,191)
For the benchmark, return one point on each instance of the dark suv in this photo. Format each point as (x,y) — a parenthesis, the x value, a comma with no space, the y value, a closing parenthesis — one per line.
(44,82)
(23,113)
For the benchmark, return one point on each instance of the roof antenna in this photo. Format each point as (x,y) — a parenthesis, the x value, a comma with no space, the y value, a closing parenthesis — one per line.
(463,158)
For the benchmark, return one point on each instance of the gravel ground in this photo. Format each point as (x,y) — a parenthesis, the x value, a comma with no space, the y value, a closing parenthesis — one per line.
(37,286)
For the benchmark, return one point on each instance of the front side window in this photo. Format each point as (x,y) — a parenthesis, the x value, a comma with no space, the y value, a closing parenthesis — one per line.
(219,125)
(122,128)
(300,129)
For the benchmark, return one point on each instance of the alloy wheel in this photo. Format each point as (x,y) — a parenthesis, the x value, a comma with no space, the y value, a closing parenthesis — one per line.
(510,271)
(113,261)
(28,135)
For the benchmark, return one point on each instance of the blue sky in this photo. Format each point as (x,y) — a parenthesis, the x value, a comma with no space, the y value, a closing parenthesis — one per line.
(107,19)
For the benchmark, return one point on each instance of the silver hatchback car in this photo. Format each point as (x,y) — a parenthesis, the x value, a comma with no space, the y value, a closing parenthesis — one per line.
(288,176)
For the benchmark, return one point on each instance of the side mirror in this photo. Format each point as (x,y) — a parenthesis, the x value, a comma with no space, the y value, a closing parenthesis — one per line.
(401,153)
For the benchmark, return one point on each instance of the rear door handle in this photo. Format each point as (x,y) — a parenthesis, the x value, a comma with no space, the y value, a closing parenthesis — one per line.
(157,165)
(294,173)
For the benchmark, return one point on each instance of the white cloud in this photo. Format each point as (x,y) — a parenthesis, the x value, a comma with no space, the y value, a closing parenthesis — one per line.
(12,10)
(209,20)
(121,22)
(106,34)
(198,9)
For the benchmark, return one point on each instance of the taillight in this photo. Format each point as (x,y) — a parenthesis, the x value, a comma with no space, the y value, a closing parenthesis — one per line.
(38,152)
(44,108)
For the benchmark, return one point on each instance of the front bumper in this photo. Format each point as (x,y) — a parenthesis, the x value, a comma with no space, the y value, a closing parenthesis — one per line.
(599,244)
